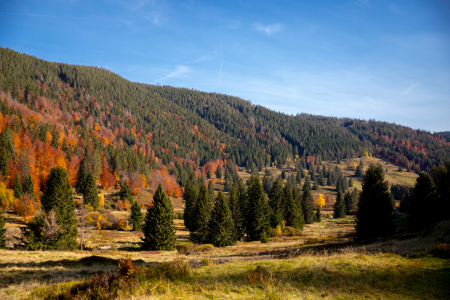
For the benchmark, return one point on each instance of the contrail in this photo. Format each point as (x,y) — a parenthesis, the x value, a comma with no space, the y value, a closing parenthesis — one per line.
(220,73)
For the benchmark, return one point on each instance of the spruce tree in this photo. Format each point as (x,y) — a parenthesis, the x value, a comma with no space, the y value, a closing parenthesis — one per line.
(136,217)
(257,210)
(318,215)
(236,213)
(158,229)
(18,191)
(202,213)
(125,191)
(190,197)
(276,203)
(339,209)
(82,174)
(221,226)
(423,204)
(4,169)
(291,213)
(307,205)
(90,193)
(28,186)
(375,208)
(2,230)
(58,197)
(211,190)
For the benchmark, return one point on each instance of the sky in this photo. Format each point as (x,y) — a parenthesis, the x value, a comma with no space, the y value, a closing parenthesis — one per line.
(366,59)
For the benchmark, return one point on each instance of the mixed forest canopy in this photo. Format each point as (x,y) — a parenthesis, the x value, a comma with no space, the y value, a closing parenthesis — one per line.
(56,114)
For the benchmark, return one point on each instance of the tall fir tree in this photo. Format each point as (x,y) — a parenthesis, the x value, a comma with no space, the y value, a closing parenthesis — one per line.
(307,205)
(158,229)
(375,208)
(276,203)
(136,217)
(257,216)
(236,213)
(125,191)
(291,213)
(57,196)
(90,193)
(18,191)
(339,209)
(296,194)
(211,190)
(221,230)
(82,174)
(423,203)
(28,186)
(318,215)
(190,197)
(202,213)
(2,230)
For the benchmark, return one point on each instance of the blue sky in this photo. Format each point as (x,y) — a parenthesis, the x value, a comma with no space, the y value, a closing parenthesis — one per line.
(383,60)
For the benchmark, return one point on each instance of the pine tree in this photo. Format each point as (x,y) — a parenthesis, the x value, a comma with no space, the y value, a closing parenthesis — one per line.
(4,169)
(190,197)
(2,230)
(18,191)
(82,174)
(276,203)
(307,205)
(236,213)
(339,209)
(28,186)
(158,229)
(136,217)
(375,209)
(58,197)
(211,191)
(291,213)
(221,226)
(90,193)
(423,204)
(125,191)
(202,213)
(257,209)
(318,215)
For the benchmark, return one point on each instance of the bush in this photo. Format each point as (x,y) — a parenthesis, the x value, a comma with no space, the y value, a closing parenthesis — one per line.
(175,270)
(264,238)
(204,248)
(107,204)
(291,231)
(108,226)
(181,216)
(88,219)
(184,248)
(442,250)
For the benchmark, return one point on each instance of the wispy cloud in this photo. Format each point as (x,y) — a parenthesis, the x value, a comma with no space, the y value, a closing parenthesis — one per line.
(408,89)
(269,29)
(365,3)
(180,70)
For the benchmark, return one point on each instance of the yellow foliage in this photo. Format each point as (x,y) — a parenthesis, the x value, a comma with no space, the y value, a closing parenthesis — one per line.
(321,200)
(367,155)
(355,166)
(101,200)
(99,218)
(144,181)
(99,225)
(6,196)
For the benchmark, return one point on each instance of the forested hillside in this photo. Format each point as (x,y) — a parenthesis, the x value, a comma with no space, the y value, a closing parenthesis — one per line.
(56,114)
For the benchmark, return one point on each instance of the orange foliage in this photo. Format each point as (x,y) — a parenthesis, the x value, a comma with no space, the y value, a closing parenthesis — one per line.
(25,206)
(119,205)
(121,224)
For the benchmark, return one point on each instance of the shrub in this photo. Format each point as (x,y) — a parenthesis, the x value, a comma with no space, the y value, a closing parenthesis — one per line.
(177,269)
(88,219)
(184,248)
(264,238)
(107,204)
(204,248)
(291,231)
(108,226)
(442,250)
(181,216)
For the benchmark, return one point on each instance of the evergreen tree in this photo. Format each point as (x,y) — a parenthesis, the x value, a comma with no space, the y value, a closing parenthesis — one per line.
(158,228)
(424,203)
(82,174)
(307,205)
(202,213)
(236,213)
(4,169)
(90,193)
(257,209)
(291,214)
(18,191)
(190,196)
(125,191)
(221,230)
(211,191)
(339,209)
(276,204)
(350,182)
(58,197)
(136,217)
(318,215)
(219,173)
(375,209)
(28,186)
(2,230)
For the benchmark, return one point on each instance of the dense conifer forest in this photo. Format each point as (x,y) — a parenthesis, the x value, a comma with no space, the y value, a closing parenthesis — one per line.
(79,118)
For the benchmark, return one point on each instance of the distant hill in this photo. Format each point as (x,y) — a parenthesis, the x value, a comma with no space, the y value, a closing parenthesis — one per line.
(446,133)
(163,134)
